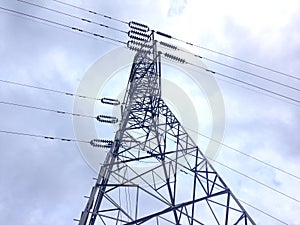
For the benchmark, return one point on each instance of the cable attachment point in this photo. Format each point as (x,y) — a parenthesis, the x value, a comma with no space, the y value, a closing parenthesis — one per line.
(110,101)
(174,57)
(101,143)
(107,119)
(138,26)
(168,45)
(210,71)
(163,34)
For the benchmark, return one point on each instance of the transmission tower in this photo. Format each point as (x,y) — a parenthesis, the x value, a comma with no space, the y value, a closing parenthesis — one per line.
(153,172)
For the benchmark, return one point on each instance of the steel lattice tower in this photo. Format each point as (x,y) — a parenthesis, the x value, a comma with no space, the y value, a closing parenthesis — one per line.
(178,185)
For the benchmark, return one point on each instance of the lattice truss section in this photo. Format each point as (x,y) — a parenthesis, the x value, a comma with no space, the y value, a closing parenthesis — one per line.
(154,172)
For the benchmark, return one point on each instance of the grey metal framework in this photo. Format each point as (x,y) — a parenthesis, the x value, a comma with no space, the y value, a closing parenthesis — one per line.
(154,173)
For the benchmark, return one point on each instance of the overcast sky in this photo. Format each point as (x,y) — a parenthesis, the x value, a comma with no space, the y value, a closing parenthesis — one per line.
(44,181)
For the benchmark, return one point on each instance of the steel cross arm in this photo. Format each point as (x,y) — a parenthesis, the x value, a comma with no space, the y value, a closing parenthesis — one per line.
(171,208)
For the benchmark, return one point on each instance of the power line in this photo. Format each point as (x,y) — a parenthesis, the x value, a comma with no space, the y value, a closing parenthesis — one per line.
(186,42)
(175,47)
(265,213)
(91,98)
(93,117)
(99,99)
(74,140)
(201,57)
(42,136)
(76,17)
(45,109)
(258,91)
(88,142)
(228,56)
(249,73)
(48,89)
(234,68)
(101,36)
(249,84)
(91,11)
(245,154)
(63,25)
(255,180)
(68,139)
(238,80)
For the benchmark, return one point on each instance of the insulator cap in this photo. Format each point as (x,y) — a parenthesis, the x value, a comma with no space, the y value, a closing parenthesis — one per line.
(107,119)
(139,38)
(174,58)
(139,47)
(168,45)
(138,26)
(133,33)
(110,101)
(101,143)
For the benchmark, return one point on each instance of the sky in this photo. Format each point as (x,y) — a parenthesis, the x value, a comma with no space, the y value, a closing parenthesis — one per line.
(44,181)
